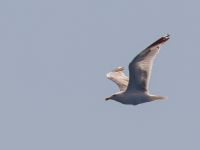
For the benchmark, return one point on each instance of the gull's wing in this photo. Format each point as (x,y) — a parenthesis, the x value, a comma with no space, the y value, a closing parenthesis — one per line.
(140,67)
(117,75)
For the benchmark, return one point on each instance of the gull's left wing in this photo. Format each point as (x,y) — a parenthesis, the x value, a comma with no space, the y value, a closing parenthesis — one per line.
(117,76)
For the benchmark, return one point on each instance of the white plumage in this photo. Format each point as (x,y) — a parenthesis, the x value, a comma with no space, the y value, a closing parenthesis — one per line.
(135,89)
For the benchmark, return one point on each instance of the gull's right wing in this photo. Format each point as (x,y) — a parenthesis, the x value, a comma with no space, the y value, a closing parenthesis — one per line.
(117,75)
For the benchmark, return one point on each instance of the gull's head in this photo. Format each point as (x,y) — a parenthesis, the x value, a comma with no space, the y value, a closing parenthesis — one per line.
(113,97)
(110,97)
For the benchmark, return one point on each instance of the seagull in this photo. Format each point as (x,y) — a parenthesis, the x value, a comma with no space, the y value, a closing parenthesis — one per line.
(135,89)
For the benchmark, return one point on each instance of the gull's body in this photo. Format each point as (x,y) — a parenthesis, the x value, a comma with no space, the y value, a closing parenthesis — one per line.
(134,90)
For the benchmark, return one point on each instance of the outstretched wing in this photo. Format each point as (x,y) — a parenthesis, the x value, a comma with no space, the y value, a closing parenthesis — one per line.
(140,67)
(117,75)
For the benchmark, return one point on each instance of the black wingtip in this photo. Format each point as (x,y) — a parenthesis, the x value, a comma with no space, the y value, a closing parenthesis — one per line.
(118,69)
(161,40)
(167,36)
(164,39)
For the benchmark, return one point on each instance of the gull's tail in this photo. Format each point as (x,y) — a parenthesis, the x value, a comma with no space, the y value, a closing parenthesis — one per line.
(155,97)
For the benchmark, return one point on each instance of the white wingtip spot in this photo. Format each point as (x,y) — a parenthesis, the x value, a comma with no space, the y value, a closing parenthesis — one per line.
(108,75)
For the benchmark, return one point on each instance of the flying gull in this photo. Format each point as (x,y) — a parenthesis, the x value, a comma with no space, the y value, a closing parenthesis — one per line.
(134,90)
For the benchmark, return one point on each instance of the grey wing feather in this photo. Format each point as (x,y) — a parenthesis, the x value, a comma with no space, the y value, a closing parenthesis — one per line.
(117,76)
(140,67)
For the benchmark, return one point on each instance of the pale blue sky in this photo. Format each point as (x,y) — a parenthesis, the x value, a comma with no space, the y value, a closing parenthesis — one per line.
(53,60)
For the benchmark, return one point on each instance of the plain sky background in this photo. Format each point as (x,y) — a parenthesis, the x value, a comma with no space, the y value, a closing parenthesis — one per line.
(53,60)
